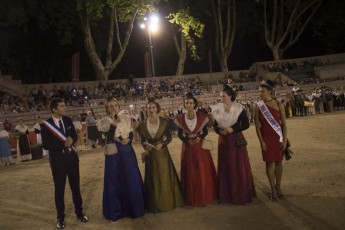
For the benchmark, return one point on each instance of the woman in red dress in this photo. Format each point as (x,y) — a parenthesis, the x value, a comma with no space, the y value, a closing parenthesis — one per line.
(236,184)
(273,139)
(198,174)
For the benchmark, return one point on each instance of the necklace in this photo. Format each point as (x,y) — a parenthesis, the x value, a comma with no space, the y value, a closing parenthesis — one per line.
(269,100)
(227,107)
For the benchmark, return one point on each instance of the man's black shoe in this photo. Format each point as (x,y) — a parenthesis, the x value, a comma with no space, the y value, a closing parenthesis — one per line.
(83,218)
(60,224)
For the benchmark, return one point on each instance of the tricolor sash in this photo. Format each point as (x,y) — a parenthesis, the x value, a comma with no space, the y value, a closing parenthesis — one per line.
(58,133)
(270,119)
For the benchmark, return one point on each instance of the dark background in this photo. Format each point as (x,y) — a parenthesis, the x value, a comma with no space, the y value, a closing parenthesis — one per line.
(36,55)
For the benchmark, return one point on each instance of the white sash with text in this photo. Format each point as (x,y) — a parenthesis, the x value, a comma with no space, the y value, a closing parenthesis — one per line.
(270,119)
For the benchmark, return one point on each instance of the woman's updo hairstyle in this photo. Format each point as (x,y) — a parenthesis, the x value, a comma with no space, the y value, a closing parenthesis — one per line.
(189,95)
(152,100)
(230,92)
(267,85)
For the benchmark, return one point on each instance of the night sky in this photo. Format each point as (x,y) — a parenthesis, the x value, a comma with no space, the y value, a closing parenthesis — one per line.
(246,50)
(244,54)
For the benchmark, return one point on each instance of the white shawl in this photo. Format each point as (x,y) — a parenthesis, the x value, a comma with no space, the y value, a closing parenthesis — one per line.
(123,127)
(226,119)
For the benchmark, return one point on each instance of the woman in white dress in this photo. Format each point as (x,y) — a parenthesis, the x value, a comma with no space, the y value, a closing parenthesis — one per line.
(37,128)
(23,144)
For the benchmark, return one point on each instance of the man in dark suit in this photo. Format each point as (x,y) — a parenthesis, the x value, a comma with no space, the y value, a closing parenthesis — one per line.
(58,137)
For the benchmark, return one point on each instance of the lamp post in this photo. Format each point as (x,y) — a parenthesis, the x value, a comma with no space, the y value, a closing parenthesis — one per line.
(152,26)
(151,55)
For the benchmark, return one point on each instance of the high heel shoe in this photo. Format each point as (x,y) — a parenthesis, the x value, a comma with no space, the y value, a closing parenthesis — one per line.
(273,196)
(279,192)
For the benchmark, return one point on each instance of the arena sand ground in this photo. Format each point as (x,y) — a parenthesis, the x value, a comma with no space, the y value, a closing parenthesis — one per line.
(313,183)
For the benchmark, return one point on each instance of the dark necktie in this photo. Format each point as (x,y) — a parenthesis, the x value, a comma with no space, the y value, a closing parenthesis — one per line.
(61,126)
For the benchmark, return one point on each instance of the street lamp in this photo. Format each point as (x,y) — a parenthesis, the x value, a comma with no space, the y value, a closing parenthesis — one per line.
(151,24)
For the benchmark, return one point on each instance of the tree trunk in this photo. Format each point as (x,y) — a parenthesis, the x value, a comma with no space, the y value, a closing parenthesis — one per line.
(224,15)
(223,62)
(282,32)
(90,47)
(103,71)
(182,56)
(276,53)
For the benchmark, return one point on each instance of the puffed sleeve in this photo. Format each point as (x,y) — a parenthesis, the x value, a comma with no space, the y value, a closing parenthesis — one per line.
(242,122)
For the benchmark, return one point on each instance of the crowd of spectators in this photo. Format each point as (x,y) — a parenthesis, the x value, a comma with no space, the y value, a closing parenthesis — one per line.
(299,102)
(290,66)
(126,91)
(243,77)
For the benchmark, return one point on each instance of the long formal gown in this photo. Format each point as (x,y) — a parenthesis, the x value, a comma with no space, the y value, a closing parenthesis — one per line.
(235,178)
(162,186)
(198,174)
(5,148)
(270,137)
(123,194)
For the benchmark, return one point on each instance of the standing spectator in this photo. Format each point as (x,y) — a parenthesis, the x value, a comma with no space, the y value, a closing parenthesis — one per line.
(92,131)
(271,129)
(162,186)
(236,183)
(8,125)
(329,100)
(101,135)
(198,174)
(309,103)
(79,130)
(59,137)
(172,125)
(5,147)
(23,144)
(37,128)
(83,116)
(317,95)
(123,194)
(135,123)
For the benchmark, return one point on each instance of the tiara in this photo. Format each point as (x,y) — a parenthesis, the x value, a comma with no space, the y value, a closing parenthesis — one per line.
(266,84)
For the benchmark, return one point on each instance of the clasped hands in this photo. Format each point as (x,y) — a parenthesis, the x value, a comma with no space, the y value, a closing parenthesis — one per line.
(124,141)
(193,141)
(68,142)
(149,146)
(226,131)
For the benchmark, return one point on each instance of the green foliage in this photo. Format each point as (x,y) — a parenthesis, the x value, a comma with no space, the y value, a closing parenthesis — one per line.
(190,27)
(95,8)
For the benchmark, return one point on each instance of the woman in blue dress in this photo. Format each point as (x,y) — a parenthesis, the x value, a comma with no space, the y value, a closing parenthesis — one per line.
(123,194)
(5,148)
